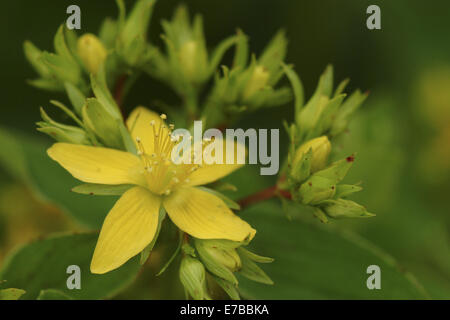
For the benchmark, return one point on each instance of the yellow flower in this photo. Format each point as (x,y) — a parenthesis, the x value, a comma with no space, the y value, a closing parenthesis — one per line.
(131,224)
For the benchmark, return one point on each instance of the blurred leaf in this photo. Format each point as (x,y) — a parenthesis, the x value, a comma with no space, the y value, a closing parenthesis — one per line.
(315,262)
(25,159)
(11,294)
(52,294)
(42,265)
(12,158)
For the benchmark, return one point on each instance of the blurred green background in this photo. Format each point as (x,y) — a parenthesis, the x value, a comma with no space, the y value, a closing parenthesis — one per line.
(401,134)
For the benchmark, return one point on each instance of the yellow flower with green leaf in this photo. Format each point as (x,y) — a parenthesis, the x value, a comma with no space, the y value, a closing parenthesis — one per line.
(157,181)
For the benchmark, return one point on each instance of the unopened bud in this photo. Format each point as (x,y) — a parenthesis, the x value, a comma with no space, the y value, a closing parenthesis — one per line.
(342,208)
(316,189)
(91,51)
(227,257)
(220,257)
(193,278)
(257,81)
(321,148)
(187,55)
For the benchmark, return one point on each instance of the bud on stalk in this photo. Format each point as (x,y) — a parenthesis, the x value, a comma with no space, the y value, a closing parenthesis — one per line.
(91,51)
(321,148)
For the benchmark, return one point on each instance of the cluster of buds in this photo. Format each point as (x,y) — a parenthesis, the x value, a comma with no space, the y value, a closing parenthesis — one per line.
(59,68)
(186,65)
(85,63)
(247,86)
(310,179)
(120,46)
(98,119)
(214,263)
(327,112)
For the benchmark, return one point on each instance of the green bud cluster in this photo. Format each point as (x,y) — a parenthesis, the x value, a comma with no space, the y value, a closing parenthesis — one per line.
(120,53)
(309,178)
(249,85)
(214,263)
(327,112)
(98,120)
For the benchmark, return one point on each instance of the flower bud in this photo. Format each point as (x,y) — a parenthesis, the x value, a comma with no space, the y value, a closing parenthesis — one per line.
(193,60)
(321,148)
(99,121)
(187,58)
(91,51)
(193,278)
(257,82)
(220,257)
(227,257)
(342,208)
(316,189)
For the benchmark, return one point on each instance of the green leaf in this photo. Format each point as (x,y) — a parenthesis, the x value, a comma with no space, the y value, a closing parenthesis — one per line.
(42,265)
(315,261)
(11,294)
(52,294)
(26,160)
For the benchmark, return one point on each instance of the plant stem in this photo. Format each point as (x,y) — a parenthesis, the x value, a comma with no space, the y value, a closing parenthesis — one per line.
(119,90)
(263,195)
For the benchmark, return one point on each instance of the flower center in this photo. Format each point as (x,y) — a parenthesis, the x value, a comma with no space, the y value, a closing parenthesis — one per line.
(161,173)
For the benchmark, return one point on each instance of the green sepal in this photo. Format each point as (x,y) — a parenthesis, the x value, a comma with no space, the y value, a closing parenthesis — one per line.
(229,288)
(76,97)
(253,256)
(148,249)
(302,169)
(98,120)
(344,190)
(342,208)
(211,263)
(193,277)
(94,189)
(102,93)
(34,55)
(297,87)
(251,271)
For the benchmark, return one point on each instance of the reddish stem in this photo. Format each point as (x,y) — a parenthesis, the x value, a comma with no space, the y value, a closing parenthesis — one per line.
(263,195)
(118,90)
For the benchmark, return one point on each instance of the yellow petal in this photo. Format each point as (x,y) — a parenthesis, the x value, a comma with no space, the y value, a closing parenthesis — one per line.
(98,165)
(139,125)
(208,173)
(205,216)
(129,227)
